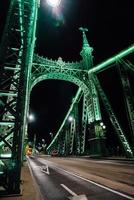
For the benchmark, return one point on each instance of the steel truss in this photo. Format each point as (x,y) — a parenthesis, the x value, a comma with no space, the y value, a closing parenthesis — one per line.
(16,52)
(44,68)
(123,68)
(20,71)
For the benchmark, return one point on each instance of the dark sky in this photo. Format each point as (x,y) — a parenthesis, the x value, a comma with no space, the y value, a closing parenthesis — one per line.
(110,30)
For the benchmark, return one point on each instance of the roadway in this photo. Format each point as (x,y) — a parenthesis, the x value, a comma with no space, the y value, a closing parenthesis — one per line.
(81,179)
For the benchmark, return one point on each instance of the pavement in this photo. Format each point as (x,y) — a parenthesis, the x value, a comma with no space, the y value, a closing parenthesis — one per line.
(28,187)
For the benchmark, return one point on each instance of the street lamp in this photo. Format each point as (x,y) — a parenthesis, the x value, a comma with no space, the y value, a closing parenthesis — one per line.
(102,125)
(51,134)
(54,3)
(70,119)
(31,118)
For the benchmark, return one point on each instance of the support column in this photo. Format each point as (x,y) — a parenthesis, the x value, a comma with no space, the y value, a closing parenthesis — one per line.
(77,129)
(96,132)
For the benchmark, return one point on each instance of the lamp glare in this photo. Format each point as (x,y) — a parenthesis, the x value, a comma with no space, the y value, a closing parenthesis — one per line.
(31,117)
(54,3)
(70,118)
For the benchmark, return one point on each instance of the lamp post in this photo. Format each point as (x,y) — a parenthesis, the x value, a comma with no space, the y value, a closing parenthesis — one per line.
(51,134)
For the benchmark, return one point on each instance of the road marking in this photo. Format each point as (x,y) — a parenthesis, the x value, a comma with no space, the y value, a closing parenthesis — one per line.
(79,197)
(70,191)
(92,182)
(75,196)
(45,169)
(99,185)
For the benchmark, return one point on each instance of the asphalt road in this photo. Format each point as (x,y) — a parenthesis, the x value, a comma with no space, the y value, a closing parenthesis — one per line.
(62,178)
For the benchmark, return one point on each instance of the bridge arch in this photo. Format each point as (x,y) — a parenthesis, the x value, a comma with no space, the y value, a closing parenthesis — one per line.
(61,76)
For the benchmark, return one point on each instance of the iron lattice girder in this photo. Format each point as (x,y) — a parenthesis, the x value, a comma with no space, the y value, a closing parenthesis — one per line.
(115,123)
(41,72)
(128,64)
(60,63)
(60,131)
(43,69)
(50,69)
(12,39)
(109,62)
(113,118)
(128,96)
(10,56)
(16,57)
(72,133)
(77,128)
(84,124)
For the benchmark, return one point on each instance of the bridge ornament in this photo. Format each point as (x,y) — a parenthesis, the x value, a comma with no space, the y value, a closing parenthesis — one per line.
(60,62)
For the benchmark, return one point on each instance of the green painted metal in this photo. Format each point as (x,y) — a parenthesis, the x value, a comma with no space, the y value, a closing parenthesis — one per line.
(24,70)
(76,73)
(67,141)
(72,133)
(108,63)
(95,102)
(44,69)
(66,118)
(128,64)
(77,129)
(86,51)
(9,96)
(113,119)
(16,62)
(84,124)
(7,138)
(128,97)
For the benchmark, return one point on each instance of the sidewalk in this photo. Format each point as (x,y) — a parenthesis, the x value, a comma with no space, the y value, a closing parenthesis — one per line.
(28,188)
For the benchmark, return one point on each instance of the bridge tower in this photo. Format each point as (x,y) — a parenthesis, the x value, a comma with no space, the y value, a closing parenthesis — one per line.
(21,70)
(93,111)
(16,54)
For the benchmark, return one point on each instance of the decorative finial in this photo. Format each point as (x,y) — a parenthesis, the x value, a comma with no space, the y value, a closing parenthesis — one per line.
(85,41)
(60,62)
(86,51)
(83,29)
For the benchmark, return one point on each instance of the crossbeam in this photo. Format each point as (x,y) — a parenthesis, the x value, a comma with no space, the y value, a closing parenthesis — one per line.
(102,66)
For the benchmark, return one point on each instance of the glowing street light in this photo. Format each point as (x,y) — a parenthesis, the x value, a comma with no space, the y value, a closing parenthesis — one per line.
(51,134)
(54,3)
(31,117)
(104,127)
(70,118)
(101,124)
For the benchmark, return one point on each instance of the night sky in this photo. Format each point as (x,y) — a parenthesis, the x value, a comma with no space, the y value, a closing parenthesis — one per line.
(110,30)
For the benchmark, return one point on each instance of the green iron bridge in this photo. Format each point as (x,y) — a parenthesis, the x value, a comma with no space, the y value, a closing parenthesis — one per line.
(21,69)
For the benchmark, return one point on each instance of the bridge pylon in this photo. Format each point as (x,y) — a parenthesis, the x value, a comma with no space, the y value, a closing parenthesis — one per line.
(16,54)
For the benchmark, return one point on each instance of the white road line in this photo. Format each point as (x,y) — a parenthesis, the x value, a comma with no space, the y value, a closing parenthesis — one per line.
(70,191)
(45,169)
(99,185)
